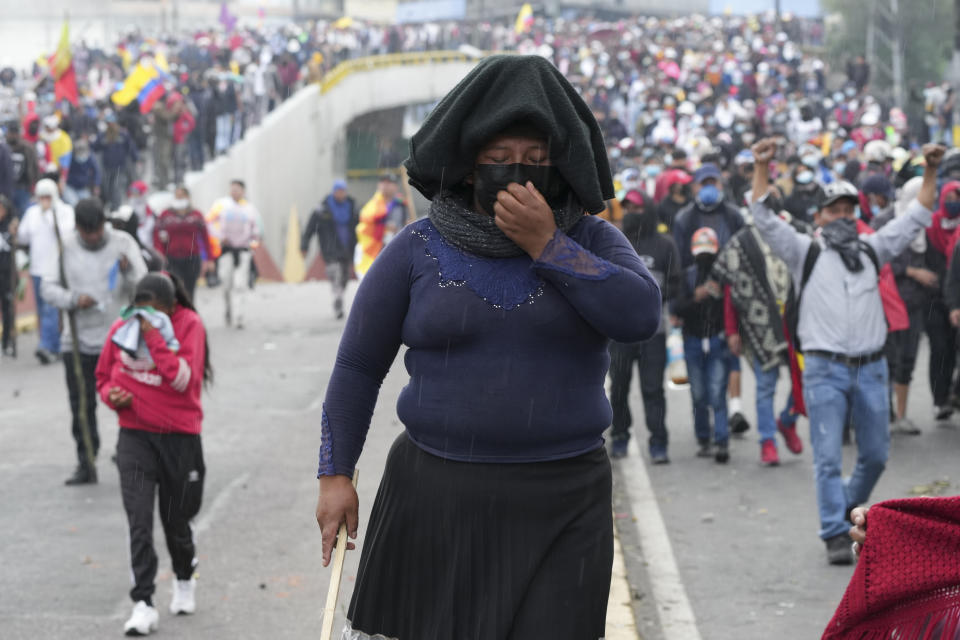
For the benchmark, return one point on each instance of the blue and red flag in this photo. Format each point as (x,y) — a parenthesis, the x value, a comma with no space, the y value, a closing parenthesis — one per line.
(150,93)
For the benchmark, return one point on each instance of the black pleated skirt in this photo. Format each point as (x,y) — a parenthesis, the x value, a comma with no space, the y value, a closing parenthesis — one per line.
(471,551)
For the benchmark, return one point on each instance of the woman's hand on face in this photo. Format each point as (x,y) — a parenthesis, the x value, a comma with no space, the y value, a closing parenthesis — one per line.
(338,503)
(524,216)
(859,529)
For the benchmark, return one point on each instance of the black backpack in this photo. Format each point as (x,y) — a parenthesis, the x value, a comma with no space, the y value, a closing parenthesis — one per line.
(791,311)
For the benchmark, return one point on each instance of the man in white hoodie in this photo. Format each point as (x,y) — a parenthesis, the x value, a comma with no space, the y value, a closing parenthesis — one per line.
(37,233)
(101,268)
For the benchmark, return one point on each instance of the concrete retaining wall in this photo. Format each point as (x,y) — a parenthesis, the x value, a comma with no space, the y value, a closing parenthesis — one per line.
(292,158)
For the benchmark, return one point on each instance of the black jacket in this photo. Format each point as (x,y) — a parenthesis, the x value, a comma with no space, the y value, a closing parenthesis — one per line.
(700,319)
(802,203)
(951,288)
(667,211)
(322,225)
(659,254)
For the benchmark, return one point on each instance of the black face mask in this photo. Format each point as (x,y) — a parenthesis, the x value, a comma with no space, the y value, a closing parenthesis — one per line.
(704,263)
(640,224)
(491,179)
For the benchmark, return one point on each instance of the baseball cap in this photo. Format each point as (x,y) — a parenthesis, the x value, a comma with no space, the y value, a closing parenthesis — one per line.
(635,197)
(838,191)
(704,240)
(707,171)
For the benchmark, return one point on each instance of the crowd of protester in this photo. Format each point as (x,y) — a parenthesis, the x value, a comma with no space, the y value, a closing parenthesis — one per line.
(734,148)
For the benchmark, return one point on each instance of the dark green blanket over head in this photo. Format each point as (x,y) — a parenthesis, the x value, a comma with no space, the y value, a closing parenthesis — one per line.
(501,91)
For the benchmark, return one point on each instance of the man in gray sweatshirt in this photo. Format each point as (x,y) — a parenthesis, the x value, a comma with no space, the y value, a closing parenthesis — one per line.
(842,329)
(101,269)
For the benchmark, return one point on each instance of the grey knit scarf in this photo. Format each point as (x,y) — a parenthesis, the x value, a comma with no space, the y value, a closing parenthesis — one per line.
(477,233)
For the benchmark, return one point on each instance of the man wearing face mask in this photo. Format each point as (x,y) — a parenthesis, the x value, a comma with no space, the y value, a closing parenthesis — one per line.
(101,268)
(660,256)
(36,232)
(942,236)
(83,177)
(708,209)
(676,182)
(879,193)
(806,195)
(742,177)
(845,371)
(181,235)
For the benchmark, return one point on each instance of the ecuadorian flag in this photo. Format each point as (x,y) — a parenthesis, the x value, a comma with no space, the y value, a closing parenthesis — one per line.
(144,84)
(524,19)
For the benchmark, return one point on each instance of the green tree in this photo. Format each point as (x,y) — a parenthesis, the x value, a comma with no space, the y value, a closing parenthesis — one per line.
(927,39)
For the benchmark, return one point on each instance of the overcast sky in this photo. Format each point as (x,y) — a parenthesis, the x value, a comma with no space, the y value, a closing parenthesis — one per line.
(798,7)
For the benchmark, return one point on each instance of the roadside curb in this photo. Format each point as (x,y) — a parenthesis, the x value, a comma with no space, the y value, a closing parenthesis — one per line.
(621,624)
(653,570)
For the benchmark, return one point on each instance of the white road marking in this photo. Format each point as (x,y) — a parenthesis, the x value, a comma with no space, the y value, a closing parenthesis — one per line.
(310,408)
(673,607)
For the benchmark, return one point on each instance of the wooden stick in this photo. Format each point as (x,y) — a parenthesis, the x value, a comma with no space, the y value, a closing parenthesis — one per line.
(330,609)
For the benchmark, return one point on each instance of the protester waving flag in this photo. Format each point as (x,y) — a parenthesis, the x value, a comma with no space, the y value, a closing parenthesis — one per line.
(61,68)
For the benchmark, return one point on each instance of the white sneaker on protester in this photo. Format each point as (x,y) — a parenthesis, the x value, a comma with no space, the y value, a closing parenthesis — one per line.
(184,596)
(143,621)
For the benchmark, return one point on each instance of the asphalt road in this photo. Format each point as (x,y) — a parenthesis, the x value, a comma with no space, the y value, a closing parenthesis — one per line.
(744,537)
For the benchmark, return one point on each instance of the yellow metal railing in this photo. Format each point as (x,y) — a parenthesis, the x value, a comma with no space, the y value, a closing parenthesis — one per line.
(333,77)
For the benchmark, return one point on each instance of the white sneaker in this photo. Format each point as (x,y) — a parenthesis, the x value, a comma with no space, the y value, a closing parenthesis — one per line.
(184,596)
(143,620)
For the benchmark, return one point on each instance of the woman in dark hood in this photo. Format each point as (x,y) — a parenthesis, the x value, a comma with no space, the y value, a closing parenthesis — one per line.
(494,505)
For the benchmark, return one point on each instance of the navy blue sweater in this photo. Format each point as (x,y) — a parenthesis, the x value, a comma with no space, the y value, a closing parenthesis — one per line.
(507,357)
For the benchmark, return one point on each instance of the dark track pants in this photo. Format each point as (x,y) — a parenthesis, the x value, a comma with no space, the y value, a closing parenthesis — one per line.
(172,463)
(651,360)
(88,365)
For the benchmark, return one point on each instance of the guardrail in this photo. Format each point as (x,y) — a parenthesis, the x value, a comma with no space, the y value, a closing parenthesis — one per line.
(369,63)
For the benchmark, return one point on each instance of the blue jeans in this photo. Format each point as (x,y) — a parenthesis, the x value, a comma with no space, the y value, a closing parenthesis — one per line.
(21,200)
(708,372)
(831,390)
(48,318)
(766,389)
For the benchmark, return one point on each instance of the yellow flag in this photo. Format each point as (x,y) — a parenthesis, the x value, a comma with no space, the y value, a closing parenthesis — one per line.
(137,80)
(61,59)
(160,59)
(294,266)
(524,19)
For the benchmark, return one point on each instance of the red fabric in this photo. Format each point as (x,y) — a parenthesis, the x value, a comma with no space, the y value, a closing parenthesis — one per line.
(184,125)
(157,406)
(865,212)
(796,374)
(186,236)
(667,179)
(65,87)
(907,581)
(893,307)
(25,125)
(863,135)
(943,240)
(731,323)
